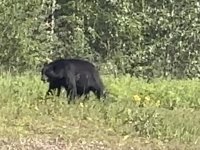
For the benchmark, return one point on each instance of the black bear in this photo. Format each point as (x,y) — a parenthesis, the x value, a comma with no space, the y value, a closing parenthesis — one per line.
(77,76)
(57,84)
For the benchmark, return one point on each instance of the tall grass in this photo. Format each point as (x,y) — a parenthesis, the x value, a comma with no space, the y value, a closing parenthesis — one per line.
(166,110)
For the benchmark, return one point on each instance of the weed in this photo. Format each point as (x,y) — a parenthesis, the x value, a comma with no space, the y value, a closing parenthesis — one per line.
(166,110)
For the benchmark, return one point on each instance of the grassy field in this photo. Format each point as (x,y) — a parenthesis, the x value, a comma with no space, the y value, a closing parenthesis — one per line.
(162,115)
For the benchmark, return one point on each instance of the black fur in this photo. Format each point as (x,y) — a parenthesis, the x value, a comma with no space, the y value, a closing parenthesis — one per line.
(78,77)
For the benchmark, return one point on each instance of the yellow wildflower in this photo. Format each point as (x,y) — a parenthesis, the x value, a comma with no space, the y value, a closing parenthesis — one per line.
(81,104)
(137,98)
(147,98)
(158,103)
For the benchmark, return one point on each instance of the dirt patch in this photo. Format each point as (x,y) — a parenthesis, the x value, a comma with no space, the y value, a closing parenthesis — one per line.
(59,143)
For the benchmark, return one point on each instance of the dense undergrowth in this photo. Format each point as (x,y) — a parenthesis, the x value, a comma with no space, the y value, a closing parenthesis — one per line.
(166,110)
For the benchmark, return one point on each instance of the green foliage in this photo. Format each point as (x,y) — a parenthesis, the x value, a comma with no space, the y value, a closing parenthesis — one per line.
(136,37)
(165,94)
(166,110)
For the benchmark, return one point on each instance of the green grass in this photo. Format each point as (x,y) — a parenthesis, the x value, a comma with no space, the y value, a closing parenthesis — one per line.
(164,111)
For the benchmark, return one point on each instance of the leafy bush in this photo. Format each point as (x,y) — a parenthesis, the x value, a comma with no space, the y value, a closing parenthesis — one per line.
(136,37)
